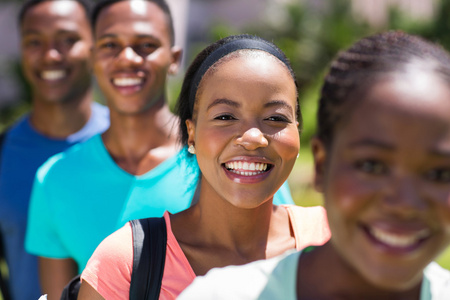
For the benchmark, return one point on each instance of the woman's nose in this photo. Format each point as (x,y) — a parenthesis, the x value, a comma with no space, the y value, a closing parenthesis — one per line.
(252,139)
(405,198)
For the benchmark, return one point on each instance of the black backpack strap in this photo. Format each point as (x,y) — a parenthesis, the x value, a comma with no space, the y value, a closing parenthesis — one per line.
(149,256)
(70,291)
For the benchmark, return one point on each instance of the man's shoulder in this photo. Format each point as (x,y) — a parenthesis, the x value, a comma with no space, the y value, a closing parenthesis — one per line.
(19,127)
(73,158)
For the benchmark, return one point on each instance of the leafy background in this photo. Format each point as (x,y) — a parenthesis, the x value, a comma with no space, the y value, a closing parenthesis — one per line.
(310,37)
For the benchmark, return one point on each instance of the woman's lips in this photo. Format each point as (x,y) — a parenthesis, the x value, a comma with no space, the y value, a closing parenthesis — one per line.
(397,240)
(247,172)
(247,168)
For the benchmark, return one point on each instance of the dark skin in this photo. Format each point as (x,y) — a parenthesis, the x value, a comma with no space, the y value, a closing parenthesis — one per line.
(386,195)
(235,221)
(234,224)
(142,131)
(324,262)
(224,241)
(57,41)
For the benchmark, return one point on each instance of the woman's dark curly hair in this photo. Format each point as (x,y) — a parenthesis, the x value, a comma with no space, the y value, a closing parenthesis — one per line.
(354,71)
(183,107)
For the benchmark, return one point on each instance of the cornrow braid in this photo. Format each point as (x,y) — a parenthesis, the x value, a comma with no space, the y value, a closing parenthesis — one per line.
(355,70)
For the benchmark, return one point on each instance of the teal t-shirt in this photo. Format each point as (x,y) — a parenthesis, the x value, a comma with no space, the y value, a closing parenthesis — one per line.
(81,196)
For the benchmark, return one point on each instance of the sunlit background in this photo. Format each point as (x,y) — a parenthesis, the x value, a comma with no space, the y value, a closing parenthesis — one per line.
(310,32)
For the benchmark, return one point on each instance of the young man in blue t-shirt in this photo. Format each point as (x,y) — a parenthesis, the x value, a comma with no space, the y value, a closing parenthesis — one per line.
(55,46)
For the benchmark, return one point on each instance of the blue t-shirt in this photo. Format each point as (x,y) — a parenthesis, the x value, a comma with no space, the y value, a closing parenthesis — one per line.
(81,196)
(23,151)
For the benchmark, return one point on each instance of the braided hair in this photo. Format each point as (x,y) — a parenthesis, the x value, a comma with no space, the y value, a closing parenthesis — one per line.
(354,71)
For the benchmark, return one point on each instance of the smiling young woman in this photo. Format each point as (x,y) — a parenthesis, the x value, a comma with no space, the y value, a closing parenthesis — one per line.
(239,115)
(382,159)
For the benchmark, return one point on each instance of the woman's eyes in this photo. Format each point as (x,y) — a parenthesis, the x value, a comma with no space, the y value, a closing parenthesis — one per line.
(375,167)
(438,175)
(225,117)
(279,118)
(371,166)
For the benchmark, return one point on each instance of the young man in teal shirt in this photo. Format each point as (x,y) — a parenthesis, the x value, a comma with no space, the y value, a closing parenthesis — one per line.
(135,169)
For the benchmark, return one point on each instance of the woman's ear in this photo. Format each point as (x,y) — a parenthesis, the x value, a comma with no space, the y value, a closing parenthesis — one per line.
(320,158)
(191,131)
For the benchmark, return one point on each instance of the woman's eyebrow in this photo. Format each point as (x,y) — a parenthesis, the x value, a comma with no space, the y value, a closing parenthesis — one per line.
(223,101)
(371,143)
(278,103)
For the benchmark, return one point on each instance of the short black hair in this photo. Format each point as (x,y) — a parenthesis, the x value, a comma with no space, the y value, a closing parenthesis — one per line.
(183,107)
(101,4)
(354,71)
(30,3)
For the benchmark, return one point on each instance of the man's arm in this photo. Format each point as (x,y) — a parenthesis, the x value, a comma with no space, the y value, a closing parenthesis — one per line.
(55,274)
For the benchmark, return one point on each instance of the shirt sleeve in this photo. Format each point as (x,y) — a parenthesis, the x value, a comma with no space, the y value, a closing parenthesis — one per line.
(109,269)
(42,236)
(310,225)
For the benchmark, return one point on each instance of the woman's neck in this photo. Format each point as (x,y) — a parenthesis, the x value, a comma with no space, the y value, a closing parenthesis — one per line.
(323,274)
(214,233)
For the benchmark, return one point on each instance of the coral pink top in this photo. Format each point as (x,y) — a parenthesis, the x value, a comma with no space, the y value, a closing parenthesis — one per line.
(109,269)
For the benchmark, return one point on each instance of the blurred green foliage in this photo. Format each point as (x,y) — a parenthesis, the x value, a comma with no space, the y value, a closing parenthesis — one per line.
(311,36)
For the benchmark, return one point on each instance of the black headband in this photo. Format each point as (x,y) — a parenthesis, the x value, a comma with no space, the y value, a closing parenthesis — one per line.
(225,50)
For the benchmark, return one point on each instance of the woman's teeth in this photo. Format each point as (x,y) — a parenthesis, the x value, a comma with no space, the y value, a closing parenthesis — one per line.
(245,168)
(397,240)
